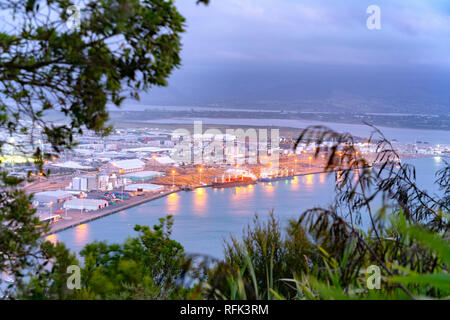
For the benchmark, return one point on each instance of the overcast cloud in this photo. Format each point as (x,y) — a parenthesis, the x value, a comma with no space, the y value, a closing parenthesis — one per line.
(234,47)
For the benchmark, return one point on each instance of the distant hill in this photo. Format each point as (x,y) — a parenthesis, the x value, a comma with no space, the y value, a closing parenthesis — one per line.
(308,88)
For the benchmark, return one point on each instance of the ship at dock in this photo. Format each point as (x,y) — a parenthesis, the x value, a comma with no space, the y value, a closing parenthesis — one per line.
(232,184)
(235,178)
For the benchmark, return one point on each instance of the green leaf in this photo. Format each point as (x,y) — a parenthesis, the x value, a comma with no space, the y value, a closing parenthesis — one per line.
(441,281)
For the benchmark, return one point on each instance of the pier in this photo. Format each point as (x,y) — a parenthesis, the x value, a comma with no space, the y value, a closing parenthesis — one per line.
(77,219)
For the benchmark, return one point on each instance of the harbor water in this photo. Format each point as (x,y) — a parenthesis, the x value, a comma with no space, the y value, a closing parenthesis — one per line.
(203,218)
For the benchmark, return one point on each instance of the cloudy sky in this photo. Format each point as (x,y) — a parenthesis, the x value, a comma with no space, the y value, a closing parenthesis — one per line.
(240,51)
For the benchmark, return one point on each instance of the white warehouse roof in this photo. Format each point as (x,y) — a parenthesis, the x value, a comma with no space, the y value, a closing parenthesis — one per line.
(165,160)
(85,204)
(128,164)
(145,187)
(49,196)
(143,175)
(148,149)
(71,165)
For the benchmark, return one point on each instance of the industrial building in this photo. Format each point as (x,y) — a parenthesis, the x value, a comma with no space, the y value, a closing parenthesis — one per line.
(128,166)
(85,183)
(143,175)
(164,160)
(72,165)
(85,204)
(144,187)
(57,196)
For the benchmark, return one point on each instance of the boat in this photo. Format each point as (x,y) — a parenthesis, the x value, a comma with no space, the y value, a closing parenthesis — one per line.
(231,184)
(235,178)
(271,179)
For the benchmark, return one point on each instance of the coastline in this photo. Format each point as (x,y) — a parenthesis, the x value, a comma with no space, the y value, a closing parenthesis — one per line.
(136,201)
(402,135)
(88,217)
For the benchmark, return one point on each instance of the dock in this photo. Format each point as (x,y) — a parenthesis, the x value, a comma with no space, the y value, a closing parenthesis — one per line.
(86,217)
(82,218)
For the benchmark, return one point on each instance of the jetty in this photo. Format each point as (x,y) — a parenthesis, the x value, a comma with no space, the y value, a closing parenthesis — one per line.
(76,219)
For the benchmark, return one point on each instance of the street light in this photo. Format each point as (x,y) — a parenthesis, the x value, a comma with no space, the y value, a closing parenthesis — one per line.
(200,170)
(154,161)
(173,178)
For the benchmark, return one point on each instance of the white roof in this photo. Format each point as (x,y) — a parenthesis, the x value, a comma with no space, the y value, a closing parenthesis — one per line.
(71,165)
(177,134)
(58,194)
(85,202)
(144,186)
(144,174)
(228,137)
(165,160)
(147,149)
(55,193)
(84,151)
(204,136)
(107,154)
(128,164)
(209,136)
(47,216)
(77,192)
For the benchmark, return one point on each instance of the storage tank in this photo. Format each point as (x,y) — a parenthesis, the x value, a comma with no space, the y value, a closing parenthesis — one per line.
(91,183)
(76,183)
(84,184)
(103,182)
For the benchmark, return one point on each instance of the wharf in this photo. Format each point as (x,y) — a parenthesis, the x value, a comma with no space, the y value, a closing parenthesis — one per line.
(81,218)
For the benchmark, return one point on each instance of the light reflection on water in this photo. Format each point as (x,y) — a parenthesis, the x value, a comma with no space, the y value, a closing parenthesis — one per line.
(322,178)
(173,204)
(53,238)
(81,233)
(269,188)
(309,180)
(205,217)
(295,184)
(200,202)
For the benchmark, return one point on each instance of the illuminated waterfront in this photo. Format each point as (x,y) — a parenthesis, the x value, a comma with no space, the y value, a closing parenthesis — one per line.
(204,217)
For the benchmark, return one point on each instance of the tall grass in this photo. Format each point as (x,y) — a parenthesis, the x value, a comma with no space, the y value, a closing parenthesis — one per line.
(326,282)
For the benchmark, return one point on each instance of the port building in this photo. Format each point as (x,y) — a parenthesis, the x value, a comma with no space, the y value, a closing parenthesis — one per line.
(144,187)
(84,183)
(57,196)
(128,166)
(143,175)
(85,204)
